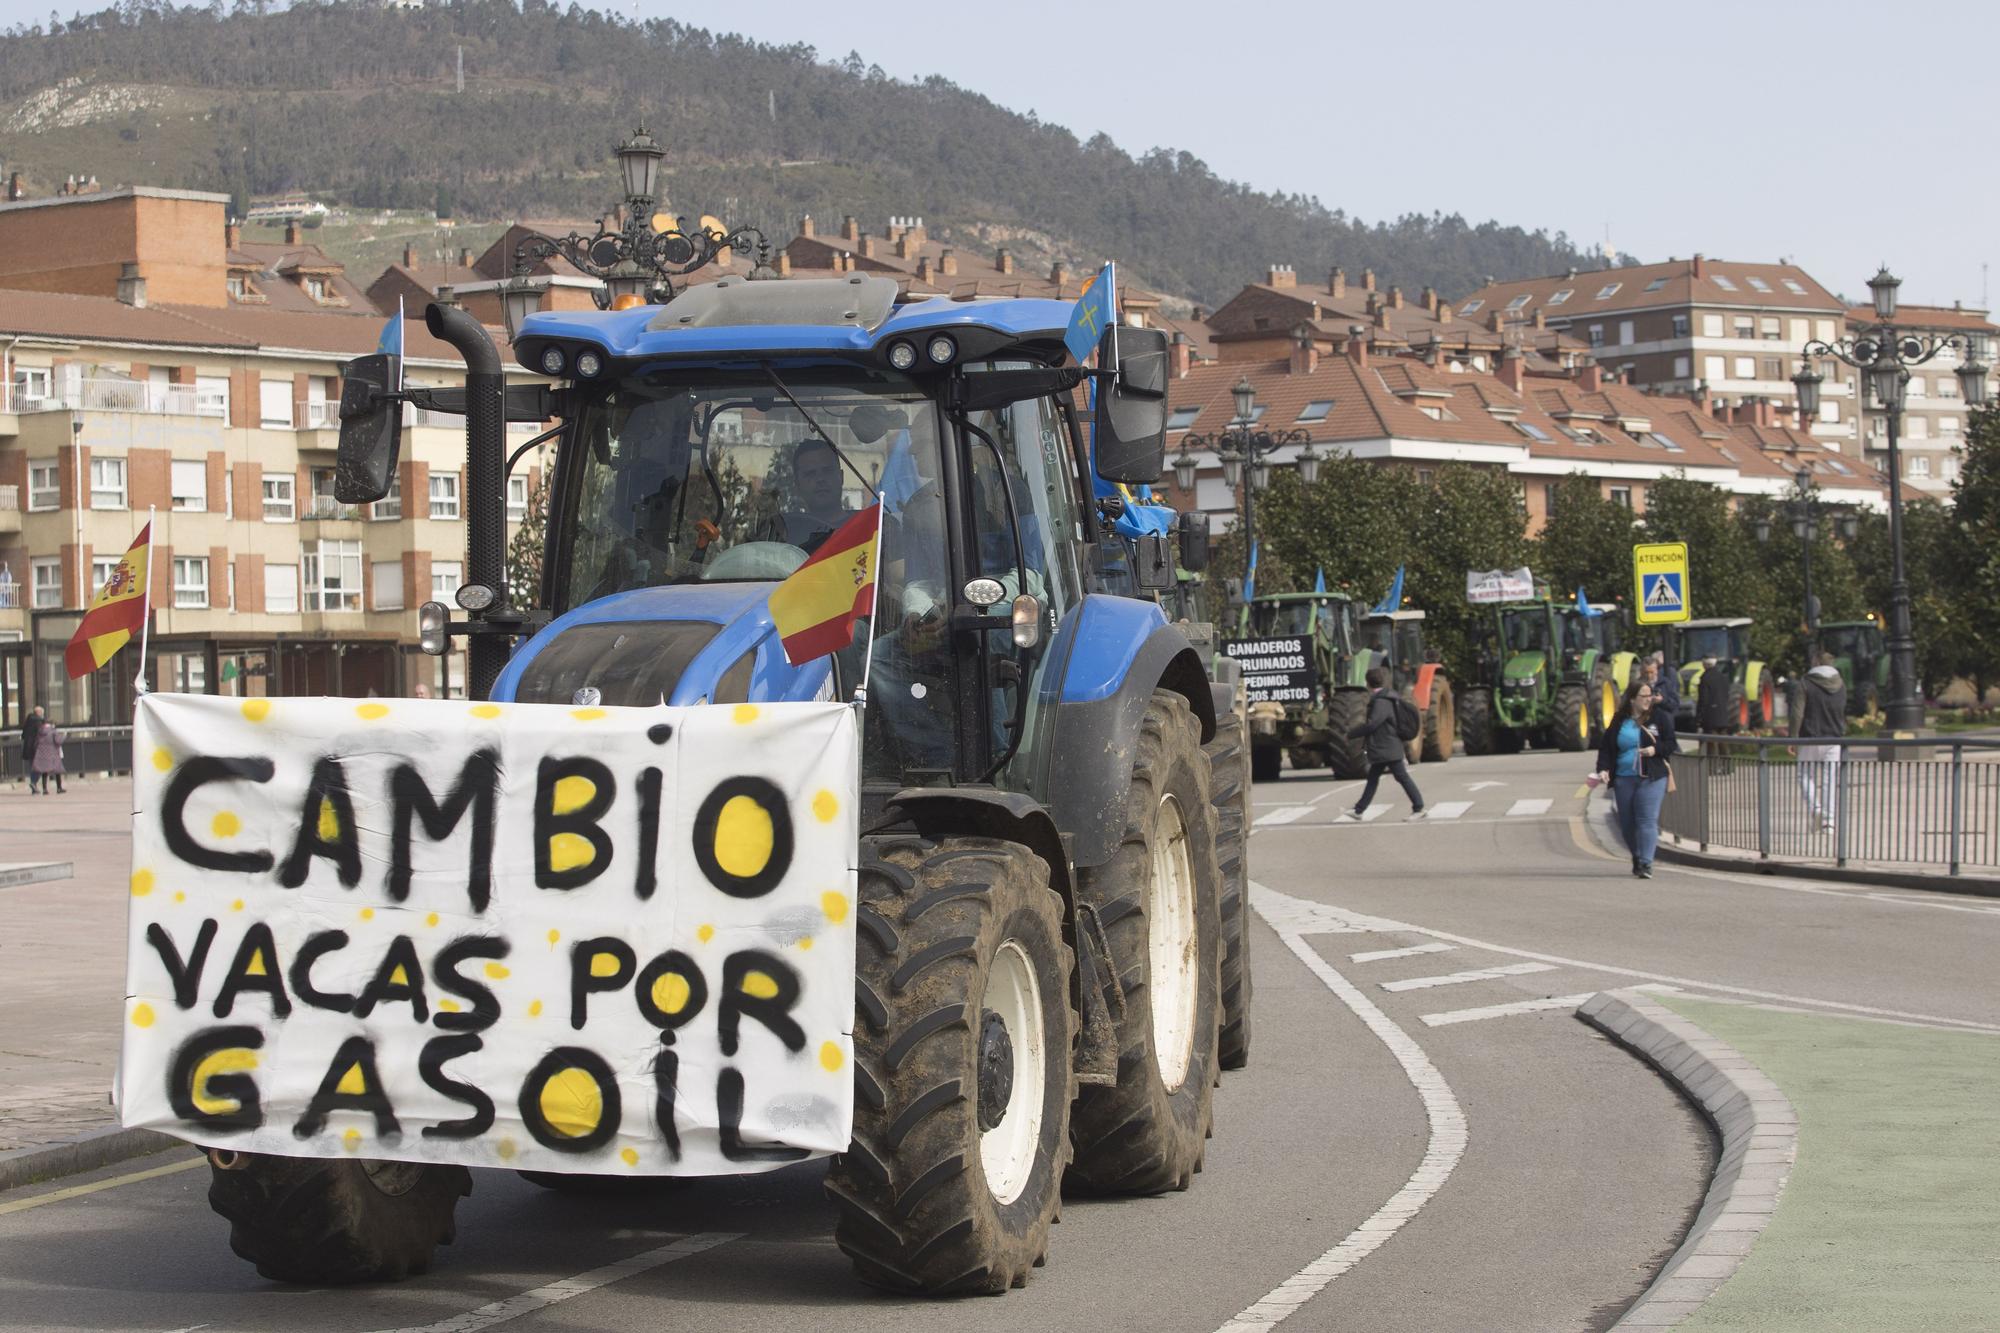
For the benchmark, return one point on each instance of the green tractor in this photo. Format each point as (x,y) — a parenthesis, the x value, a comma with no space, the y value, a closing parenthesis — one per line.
(1862,660)
(1551,673)
(1752,696)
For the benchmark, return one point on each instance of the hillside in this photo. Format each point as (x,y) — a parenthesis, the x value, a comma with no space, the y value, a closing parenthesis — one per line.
(359,105)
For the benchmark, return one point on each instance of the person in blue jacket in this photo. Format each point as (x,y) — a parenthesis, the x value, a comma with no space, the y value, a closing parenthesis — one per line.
(1634,758)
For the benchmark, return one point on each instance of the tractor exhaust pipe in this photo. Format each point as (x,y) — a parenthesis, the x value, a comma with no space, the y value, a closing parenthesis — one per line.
(228,1159)
(485,479)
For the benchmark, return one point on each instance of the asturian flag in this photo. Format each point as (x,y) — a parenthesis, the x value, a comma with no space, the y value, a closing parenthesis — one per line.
(117,614)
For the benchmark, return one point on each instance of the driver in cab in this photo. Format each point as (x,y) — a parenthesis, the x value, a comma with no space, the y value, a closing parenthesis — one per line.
(818,507)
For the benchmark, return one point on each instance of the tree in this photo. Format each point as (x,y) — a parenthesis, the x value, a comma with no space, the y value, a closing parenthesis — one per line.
(1725,569)
(524,552)
(1586,542)
(1468,518)
(1353,524)
(1836,582)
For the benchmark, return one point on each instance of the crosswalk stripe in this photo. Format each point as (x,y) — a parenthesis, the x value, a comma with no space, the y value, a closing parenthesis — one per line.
(1373,813)
(1533,805)
(1378,955)
(1503,1010)
(1284,814)
(1450,809)
(1459,978)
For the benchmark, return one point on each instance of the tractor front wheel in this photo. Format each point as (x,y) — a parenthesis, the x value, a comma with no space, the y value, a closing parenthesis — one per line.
(1440,722)
(1475,721)
(1346,755)
(1572,725)
(962,1068)
(327,1223)
(1764,707)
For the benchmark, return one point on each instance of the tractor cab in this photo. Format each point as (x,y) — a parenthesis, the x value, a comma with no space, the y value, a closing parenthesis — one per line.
(1859,656)
(1393,640)
(1727,640)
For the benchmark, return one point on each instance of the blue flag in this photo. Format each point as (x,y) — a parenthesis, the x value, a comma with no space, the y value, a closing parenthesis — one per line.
(1583,606)
(1250,576)
(1319,586)
(391,341)
(1096,311)
(1394,601)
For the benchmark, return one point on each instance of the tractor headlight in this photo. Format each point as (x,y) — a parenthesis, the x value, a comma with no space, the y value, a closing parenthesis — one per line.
(941,350)
(902,355)
(588,365)
(552,362)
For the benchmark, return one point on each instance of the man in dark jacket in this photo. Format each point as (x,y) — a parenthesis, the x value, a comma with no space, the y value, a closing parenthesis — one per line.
(31,730)
(1384,748)
(1666,687)
(1712,711)
(1822,714)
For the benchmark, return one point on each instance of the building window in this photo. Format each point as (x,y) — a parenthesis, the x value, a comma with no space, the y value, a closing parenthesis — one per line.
(517,499)
(107,483)
(1531,431)
(1316,410)
(274,403)
(1799,331)
(281,589)
(1823,330)
(1622,495)
(1773,369)
(1625,337)
(1656,284)
(1561,296)
(387,576)
(446,575)
(1608,290)
(1596,335)
(1746,367)
(391,503)
(238,287)
(31,384)
(1711,326)
(1758,284)
(1792,285)
(1916,388)
(280,497)
(102,567)
(211,395)
(1918,428)
(46,575)
(1947,386)
(1947,425)
(1683,366)
(1520,301)
(1663,442)
(444,495)
(44,486)
(1829,412)
(1680,326)
(1727,284)
(1425,476)
(190,581)
(332,574)
(190,484)
(1920,466)
(1470,306)
(1746,327)
(1182,418)
(1715,369)
(1767,327)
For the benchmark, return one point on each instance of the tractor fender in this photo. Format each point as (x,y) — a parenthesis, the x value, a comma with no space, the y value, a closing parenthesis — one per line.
(986,812)
(1621,669)
(1124,651)
(1420,694)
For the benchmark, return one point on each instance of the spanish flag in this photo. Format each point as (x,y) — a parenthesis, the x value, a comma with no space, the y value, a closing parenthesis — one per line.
(816,607)
(117,614)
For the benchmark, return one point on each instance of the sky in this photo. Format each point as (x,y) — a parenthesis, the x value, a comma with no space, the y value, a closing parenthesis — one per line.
(1742,130)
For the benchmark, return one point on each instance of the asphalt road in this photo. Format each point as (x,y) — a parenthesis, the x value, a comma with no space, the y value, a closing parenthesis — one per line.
(1412,1147)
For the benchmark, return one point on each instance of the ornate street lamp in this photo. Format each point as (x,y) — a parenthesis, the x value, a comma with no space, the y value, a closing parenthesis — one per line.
(520,297)
(1245,455)
(1884,355)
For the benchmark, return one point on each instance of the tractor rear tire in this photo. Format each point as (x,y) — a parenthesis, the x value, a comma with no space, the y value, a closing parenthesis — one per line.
(1475,721)
(1572,724)
(1158,899)
(1346,755)
(1764,707)
(1229,793)
(1440,722)
(1739,708)
(963,1068)
(1267,761)
(321,1222)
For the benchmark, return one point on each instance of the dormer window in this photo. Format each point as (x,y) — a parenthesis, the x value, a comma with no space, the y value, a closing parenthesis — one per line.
(1610,289)
(238,288)
(315,288)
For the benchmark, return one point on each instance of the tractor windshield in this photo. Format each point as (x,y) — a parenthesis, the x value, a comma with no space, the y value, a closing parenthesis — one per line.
(1708,641)
(1844,641)
(1525,631)
(1286,619)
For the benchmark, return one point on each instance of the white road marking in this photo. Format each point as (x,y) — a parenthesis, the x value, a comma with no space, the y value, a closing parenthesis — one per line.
(1293,918)
(1284,814)
(1529,805)
(1460,978)
(1503,1010)
(528,1302)
(1378,955)
(1482,786)
(1450,809)
(78,1191)
(1373,813)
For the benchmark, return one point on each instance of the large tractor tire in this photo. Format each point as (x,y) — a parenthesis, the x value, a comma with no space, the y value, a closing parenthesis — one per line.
(1440,722)
(1572,724)
(1346,756)
(1763,707)
(1475,721)
(963,1068)
(1229,794)
(1158,899)
(1739,706)
(322,1222)
(1267,761)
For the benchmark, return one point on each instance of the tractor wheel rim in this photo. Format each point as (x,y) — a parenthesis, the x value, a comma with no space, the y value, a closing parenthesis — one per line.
(1607,704)
(1013,1035)
(1171,945)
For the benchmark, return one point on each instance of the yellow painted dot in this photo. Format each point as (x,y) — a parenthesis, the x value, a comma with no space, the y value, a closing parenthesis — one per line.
(371,712)
(431,920)
(806,942)
(163,759)
(567,851)
(535,1009)
(498,971)
(743,837)
(449,1006)
(506,1149)
(604,965)
(256,709)
(554,935)
(236,906)
(571,1102)
(329,822)
(226,825)
(629,1156)
(744,714)
(760,985)
(351,1140)
(670,993)
(830,1057)
(826,806)
(353,1083)
(704,933)
(586,714)
(572,794)
(142,1015)
(367,914)
(142,883)
(180,897)
(486,710)
(233,1060)
(834,905)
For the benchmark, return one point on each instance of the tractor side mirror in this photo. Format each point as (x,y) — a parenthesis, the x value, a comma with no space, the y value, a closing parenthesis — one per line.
(1194,541)
(371,428)
(1155,564)
(1130,432)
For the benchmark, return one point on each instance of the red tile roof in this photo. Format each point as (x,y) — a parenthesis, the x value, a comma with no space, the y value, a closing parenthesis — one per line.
(1721,282)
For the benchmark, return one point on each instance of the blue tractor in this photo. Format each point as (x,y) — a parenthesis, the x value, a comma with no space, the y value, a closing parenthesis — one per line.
(1044,920)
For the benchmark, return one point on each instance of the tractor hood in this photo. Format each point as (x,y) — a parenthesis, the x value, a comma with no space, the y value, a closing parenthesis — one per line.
(1522,667)
(686,644)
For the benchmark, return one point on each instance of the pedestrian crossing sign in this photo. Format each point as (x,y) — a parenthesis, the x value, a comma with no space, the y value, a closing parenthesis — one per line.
(1659,572)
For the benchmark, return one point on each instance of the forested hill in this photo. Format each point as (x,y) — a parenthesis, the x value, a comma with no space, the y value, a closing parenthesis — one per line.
(359,104)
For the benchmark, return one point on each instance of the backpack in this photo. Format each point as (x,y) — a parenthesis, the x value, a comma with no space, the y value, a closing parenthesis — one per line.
(1409,723)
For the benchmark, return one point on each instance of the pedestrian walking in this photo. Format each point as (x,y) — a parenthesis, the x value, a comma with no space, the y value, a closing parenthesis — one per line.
(1383,730)
(1712,712)
(31,727)
(1633,758)
(1822,714)
(1666,690)
(49,756)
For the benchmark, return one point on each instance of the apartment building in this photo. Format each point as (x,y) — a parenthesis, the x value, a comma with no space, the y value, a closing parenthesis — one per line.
(1736,328)
(1935,416)
(150,361)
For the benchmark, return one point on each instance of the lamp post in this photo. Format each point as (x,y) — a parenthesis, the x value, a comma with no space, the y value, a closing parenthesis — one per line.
(1802,507)
(1884,355)
(639,259)
(1244,454)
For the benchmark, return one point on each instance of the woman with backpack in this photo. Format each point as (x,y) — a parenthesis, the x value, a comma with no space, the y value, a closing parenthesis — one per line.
(1383,728)
(1633,758)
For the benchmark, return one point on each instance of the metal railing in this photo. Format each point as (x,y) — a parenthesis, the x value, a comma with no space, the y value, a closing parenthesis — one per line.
(106,395)
(85,750)
(1929,802)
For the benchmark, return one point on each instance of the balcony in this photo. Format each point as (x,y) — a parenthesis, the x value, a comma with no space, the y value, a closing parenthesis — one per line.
(10,509)
(107,395)
(325,507)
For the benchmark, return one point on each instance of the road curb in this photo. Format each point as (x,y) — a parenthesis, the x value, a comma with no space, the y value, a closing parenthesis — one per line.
(85,1152)
(1975,885)
(1758,1129)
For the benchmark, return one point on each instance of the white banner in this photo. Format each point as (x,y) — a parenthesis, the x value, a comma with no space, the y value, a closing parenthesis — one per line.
(1499,585)
(609,940)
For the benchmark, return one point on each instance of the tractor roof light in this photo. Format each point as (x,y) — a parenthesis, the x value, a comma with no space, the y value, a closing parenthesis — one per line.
(902,355)
(941,350)
(553,361)
(589,364)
